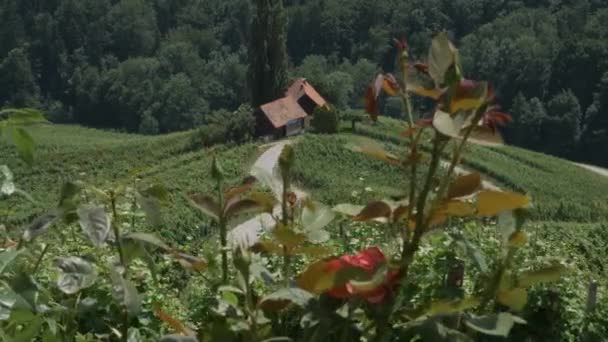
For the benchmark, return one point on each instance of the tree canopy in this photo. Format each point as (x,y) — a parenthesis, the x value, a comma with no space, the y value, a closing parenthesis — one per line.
(155,66)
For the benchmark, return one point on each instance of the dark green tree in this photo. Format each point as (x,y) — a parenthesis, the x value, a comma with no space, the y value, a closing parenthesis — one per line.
(325,120)
(562,126)
(267,52)
(18,86)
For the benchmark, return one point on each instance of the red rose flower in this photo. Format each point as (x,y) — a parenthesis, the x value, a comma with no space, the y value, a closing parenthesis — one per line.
(368,260)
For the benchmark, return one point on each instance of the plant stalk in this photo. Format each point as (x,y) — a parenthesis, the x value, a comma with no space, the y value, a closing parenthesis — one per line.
(116,230)
(223,232)
(40,258)
(121,255)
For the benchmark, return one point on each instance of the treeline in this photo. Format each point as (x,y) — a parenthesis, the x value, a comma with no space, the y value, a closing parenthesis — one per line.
(154,66)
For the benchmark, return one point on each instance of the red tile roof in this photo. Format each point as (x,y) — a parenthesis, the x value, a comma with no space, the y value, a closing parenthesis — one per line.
(283,110)
(301,87)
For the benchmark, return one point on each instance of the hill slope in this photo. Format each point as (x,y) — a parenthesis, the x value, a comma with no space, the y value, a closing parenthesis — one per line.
(561,191)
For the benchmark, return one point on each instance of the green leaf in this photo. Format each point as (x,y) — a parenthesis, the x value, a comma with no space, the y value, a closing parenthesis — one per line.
(316,216)
(23,116)
(318,236)
(95,223)
(24,143)
(157,191)
(150,206)
(178,338)
(282,298)
(494,325)
(136,250)
(442,56)
(41,225)
(288,237)
(76,274)
(472,251)
(7,187)
(134,335)
(348,209)
(217,173)
(7,257)
(30,330)
(146,238)
(206,205)
(125,293)
(69,191)
(362,286)
(451,307)
(516,299)
(547,274)
(446,125)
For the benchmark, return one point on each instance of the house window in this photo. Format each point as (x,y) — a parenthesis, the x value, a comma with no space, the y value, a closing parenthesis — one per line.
(293,127)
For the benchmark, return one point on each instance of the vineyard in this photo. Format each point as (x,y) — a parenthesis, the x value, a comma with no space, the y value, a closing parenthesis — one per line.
(566,227)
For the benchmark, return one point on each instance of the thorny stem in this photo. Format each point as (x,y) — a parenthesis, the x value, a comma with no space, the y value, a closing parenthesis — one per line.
(121,255)
(456,156)
(117,232)
(439,144)
(39,260)
(285,222)
(251,308)
(491,294)
(223,232)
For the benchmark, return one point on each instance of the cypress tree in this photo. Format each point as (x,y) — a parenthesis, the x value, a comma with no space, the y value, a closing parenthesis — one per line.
(267,52)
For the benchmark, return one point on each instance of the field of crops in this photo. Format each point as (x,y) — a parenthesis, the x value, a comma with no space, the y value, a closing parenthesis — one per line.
(569,215)
(104,159)
(561,191)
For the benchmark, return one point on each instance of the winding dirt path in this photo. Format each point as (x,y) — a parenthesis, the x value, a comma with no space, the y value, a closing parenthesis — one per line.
(595,169)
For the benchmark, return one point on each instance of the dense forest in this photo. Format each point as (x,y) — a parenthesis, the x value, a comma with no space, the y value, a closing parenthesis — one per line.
(155,66)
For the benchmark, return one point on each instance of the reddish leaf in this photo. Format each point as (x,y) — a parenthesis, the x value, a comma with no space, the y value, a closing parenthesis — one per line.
(205,204)
(374,210)
(419,81)
(465,185)
(400,213)
(190,262)
(371,103)
(317,278)
(256,202)
(235,191)
(468,95)
(390,85)
(174,323)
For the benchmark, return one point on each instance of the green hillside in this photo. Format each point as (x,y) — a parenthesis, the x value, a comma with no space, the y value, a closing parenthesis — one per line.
(569,202)
(560,190)
(333,174)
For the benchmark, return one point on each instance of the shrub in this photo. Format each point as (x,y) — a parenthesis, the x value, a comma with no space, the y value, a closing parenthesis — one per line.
(325,120)
(223,126)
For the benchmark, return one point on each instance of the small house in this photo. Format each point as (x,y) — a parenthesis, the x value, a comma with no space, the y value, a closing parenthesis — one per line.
(289,115)
(307,96)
